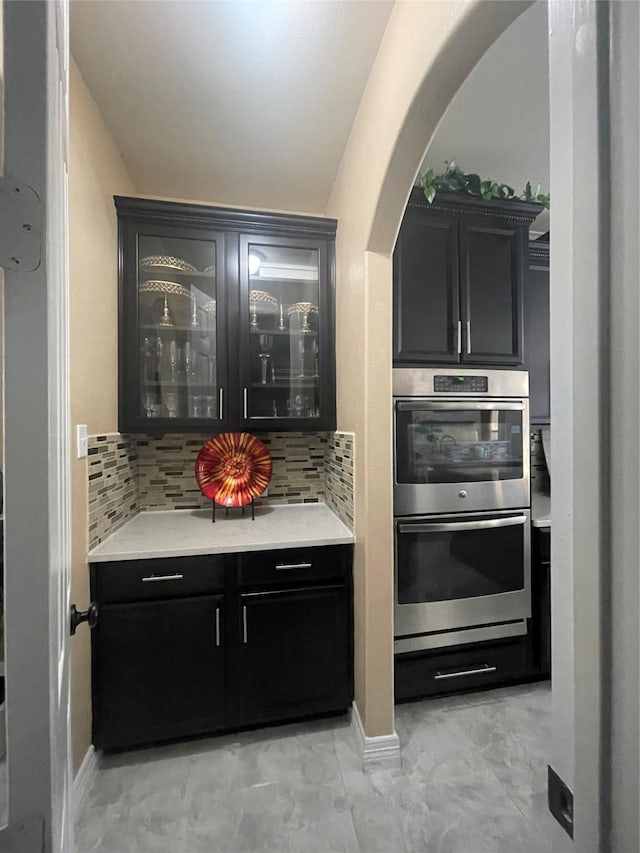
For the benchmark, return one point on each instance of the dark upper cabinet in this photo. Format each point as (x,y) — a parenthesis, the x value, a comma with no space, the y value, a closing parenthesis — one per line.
(226,319)
(426,306)
(459,267)
(536,337)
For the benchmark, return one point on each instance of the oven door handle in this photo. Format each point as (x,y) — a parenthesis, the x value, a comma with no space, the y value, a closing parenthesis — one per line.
(421,405)
(446,526)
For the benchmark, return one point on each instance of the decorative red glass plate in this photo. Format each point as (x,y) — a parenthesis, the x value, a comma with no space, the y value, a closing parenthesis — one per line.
(233,468)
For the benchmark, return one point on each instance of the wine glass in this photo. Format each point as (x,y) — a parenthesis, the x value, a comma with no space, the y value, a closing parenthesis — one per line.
(173,359)
(147,360)
(171,402)
(149,403)
(264,366)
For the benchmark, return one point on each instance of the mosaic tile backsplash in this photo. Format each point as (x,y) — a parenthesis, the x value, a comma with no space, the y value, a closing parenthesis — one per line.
(128,474)
(339,467)
(113,484)
(167,463)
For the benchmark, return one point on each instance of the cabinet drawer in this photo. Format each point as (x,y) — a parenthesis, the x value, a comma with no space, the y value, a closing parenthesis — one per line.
(466,668)
(295,565)
(144,580)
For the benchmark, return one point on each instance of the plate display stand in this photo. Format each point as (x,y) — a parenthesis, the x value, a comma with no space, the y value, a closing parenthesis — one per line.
(252,504)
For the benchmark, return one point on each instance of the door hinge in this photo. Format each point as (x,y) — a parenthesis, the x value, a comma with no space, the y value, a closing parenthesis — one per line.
(560,798)
(20,226)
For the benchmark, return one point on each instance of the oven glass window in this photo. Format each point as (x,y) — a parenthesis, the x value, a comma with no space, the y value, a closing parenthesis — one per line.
(442,566)
(457,446)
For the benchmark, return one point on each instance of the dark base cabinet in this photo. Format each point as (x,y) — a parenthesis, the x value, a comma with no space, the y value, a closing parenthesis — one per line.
(313,673)
(197,645)
(541,593)
(461,668)
(159,671)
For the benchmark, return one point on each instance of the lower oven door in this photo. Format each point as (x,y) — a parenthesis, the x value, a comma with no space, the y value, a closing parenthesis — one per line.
(461,579)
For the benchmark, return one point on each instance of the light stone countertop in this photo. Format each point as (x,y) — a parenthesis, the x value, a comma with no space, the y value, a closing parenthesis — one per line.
(185,532)
(540,509)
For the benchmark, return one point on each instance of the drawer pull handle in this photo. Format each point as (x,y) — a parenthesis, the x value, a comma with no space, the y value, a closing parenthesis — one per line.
(244,624)
(158,578)
(284,567)
(217,626)
(481,669)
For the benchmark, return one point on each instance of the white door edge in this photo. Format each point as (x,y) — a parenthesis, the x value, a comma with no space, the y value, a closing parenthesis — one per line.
(37,440)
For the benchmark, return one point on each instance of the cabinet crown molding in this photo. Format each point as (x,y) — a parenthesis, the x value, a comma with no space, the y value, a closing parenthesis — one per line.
(227,218)
(522,211)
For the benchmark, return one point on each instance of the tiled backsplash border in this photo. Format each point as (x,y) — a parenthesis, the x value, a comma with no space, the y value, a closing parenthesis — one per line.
(128,474)
(113,484)
(339,467)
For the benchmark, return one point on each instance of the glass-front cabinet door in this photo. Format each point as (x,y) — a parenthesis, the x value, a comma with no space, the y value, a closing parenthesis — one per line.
(285,330)
(226,319)
(176,320)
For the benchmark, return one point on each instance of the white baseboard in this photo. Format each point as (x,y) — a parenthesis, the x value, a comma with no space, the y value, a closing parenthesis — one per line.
(378,753)
(83,780)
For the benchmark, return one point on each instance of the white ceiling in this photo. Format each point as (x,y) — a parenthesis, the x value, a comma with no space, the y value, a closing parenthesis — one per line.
(498,123)
(236,102)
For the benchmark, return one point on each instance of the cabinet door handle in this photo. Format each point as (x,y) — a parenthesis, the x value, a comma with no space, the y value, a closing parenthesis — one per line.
(459,337)
(285,567)
(244,624)
(158,578)
(245,401)
(468,337)
(220,403)
(217,626)
(485,668)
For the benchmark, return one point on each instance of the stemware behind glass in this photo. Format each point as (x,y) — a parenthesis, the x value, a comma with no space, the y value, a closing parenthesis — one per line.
(149,403)
(171,401)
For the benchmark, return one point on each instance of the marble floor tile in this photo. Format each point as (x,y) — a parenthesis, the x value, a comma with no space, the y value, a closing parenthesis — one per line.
(473,780)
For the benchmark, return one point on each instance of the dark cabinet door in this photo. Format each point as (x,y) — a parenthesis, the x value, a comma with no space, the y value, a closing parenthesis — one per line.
(158,670)
(285,333)
(426,318)
(173,368)
(296,653)
(536,333)
(492,256)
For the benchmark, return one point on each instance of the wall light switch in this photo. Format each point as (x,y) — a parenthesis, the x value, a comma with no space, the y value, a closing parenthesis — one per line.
(83,440)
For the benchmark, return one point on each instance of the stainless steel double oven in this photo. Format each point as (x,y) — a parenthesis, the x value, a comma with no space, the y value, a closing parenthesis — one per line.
(461,506)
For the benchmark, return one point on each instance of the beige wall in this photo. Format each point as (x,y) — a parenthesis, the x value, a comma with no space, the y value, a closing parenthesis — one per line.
(427,51)
(96,173)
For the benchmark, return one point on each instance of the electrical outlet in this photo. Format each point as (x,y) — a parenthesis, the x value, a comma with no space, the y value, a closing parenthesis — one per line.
(82,440)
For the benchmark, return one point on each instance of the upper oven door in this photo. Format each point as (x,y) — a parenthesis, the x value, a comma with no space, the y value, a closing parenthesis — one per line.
(457,456)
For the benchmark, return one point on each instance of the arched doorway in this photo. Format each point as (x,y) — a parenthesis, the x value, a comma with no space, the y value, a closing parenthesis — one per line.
(427,52)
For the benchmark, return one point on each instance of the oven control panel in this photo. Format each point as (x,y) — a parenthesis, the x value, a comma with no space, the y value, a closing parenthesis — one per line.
(461,384)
